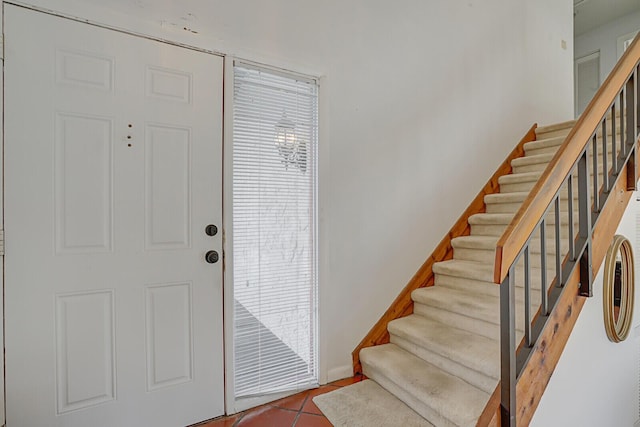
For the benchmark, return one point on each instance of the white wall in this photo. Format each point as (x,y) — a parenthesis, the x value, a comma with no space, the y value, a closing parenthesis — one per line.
(548,48)
(604,39)
(596,381)
(420,102)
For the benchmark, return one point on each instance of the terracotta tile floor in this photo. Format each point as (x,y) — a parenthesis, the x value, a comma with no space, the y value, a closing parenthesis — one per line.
(297,410)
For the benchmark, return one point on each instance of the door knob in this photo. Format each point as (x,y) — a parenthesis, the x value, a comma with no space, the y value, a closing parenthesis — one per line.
(211,257)
(211,230)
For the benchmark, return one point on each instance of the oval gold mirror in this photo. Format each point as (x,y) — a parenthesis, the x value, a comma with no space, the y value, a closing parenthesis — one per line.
(619,281)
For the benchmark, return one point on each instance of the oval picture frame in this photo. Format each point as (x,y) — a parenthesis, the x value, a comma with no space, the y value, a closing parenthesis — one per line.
(619,289)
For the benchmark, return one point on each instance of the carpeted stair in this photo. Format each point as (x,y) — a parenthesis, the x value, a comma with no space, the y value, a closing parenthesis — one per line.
(443,360)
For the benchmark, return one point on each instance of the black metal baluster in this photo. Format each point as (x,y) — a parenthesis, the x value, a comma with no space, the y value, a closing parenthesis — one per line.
(556,211)
(605,155)
(636,73)
(508,350)
(527,298)
(631,130)
(596,199)
(614,151)
(623,145)
(543,267)
(584,226)
(572,243)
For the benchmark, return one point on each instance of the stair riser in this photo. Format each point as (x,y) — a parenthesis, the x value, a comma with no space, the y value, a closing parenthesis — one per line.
(531,149)
(473,377)
(564,126)
(539,145)
(478,255)
(540,167)
(487,276)
(488,256)
(486,325)
(516,188)
(553,134)
(456,320)
(528,185)
(536,167)
(553,149)
(461,244)
(487,230)
(484,288)
(498,230)
(498,206)
(460,284)
(503,207)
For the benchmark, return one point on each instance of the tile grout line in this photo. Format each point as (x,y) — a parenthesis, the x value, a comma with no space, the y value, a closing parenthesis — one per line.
(295,420)
(239,419)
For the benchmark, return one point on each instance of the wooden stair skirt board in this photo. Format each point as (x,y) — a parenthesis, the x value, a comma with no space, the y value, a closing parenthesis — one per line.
(437,347)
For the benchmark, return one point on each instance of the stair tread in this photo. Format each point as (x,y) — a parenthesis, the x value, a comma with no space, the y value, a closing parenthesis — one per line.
(515,178)
(464,268)
(470,309)
(483,271)
(515,197)
(538,144)
(426,389)
(532,160)
(491,218)
(468,303)
(471,350)
(556,126)
(460,284)
(506,218)
(475,242)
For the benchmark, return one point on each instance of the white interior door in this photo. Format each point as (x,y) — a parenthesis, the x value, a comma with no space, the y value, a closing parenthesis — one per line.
(587,80)
(113,172)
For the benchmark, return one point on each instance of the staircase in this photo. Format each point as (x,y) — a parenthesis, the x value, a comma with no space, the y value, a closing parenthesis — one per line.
(476,334)
(443,360)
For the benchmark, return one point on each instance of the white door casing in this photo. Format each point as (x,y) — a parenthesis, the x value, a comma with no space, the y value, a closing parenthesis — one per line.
(624,41)
(112,172)
(587,80)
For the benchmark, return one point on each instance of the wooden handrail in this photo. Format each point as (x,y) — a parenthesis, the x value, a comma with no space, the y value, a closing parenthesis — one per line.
(535,205)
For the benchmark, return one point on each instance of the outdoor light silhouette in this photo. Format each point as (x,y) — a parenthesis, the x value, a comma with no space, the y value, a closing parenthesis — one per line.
(292,150)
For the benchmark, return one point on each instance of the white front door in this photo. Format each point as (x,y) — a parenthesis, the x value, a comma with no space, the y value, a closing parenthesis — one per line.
(112,175)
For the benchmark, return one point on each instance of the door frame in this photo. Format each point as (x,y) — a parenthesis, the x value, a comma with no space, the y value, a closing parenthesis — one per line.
(581,60)
(232,404)
(622,39)
(2,385)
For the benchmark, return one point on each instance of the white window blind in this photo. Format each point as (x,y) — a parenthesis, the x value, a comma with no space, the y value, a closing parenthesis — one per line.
(274,232)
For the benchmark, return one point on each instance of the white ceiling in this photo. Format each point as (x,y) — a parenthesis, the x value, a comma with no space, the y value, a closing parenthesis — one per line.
(589,14)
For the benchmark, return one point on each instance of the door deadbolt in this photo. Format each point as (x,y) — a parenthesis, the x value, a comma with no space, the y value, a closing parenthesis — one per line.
(211,230)
(211,257)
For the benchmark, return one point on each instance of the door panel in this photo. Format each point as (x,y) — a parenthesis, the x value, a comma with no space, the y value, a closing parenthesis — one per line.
(113,171)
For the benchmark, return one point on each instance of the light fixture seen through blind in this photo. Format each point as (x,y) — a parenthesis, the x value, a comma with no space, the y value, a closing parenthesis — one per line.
(274,232)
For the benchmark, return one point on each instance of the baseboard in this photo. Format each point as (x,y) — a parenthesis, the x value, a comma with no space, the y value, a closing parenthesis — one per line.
(339,373)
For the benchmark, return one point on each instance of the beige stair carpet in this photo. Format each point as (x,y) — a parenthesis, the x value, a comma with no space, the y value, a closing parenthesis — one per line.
(366,404)
(442,362)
